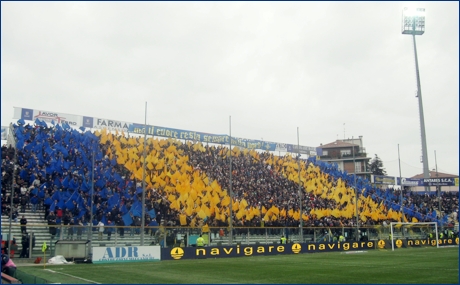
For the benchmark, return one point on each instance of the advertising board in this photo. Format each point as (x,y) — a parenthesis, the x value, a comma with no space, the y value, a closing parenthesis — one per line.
(256,250)
(126,254)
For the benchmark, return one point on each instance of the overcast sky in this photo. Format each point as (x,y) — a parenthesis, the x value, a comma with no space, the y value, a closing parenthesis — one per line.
(333,69)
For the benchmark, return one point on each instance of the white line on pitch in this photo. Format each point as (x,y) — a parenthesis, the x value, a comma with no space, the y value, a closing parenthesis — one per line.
(87,280)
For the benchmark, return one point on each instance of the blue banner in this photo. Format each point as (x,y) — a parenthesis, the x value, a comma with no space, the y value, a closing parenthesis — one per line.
(440,181)
(220,139)
(452,181)
(410,182)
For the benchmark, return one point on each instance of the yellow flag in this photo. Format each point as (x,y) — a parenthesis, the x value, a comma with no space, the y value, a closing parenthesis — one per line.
(201,214)
(44,247)
(183,220)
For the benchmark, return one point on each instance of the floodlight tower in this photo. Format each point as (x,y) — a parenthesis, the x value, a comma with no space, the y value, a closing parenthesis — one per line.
(413,23)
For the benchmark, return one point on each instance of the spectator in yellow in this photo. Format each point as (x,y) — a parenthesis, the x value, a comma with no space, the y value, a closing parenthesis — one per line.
(283,240)
(200,241)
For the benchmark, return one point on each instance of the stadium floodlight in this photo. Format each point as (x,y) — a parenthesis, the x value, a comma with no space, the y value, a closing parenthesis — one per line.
(413,23)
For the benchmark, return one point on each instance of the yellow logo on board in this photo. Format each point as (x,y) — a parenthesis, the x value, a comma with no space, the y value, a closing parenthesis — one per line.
(296,248)
(398,243)
(177,253)
(381,244)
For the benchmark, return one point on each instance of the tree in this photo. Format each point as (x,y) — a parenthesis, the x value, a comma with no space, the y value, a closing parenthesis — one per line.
(376,166)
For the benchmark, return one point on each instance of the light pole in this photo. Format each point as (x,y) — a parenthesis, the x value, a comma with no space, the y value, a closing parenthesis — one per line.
(356,189)
(401,186)
(13,182)
(90,224)
(438,188)
(300,188)
(230,235)
(413,23)
(143,178)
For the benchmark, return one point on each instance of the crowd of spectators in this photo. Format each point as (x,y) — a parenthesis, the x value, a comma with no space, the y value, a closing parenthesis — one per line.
(53,168)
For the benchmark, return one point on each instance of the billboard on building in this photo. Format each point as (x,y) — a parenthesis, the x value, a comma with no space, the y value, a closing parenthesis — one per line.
(381,179)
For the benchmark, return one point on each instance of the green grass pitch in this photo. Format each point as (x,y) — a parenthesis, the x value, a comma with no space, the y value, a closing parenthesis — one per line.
(409,266)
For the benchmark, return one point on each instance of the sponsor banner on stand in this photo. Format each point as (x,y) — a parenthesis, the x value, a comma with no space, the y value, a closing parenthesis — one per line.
(409,182)
(47,116)
(126,254)
(281,147)
(440,181)
(451,181)
(177,253)
(88,122)
(312,151)
(115,125)
(111,125)
(381,179)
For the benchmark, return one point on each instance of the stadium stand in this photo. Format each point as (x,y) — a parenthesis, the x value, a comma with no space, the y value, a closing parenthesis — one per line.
(187,184)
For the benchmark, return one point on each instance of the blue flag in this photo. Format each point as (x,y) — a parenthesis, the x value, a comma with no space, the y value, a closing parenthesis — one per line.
(127,219)
(152,214)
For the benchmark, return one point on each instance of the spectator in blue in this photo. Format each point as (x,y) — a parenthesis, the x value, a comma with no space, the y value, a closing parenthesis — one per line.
(109,229)
(34,202)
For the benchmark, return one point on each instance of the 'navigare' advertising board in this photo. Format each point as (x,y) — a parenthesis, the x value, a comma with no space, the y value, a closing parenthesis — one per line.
(256,250)
(403,243)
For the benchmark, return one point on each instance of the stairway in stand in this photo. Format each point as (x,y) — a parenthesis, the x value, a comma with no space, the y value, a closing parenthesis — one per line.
(35,224)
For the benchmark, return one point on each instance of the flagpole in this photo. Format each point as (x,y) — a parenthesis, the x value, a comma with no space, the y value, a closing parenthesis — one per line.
(90,232)
(400,181)
(438,189)
(44,247)
(356,189)
(230,186)
(300,188)
(143,179)
(11,193)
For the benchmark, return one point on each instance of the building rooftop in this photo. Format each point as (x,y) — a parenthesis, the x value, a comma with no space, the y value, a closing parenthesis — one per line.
(337,143)
(433,175)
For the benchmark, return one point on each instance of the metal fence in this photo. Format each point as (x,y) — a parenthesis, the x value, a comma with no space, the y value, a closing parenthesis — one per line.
(170,236)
